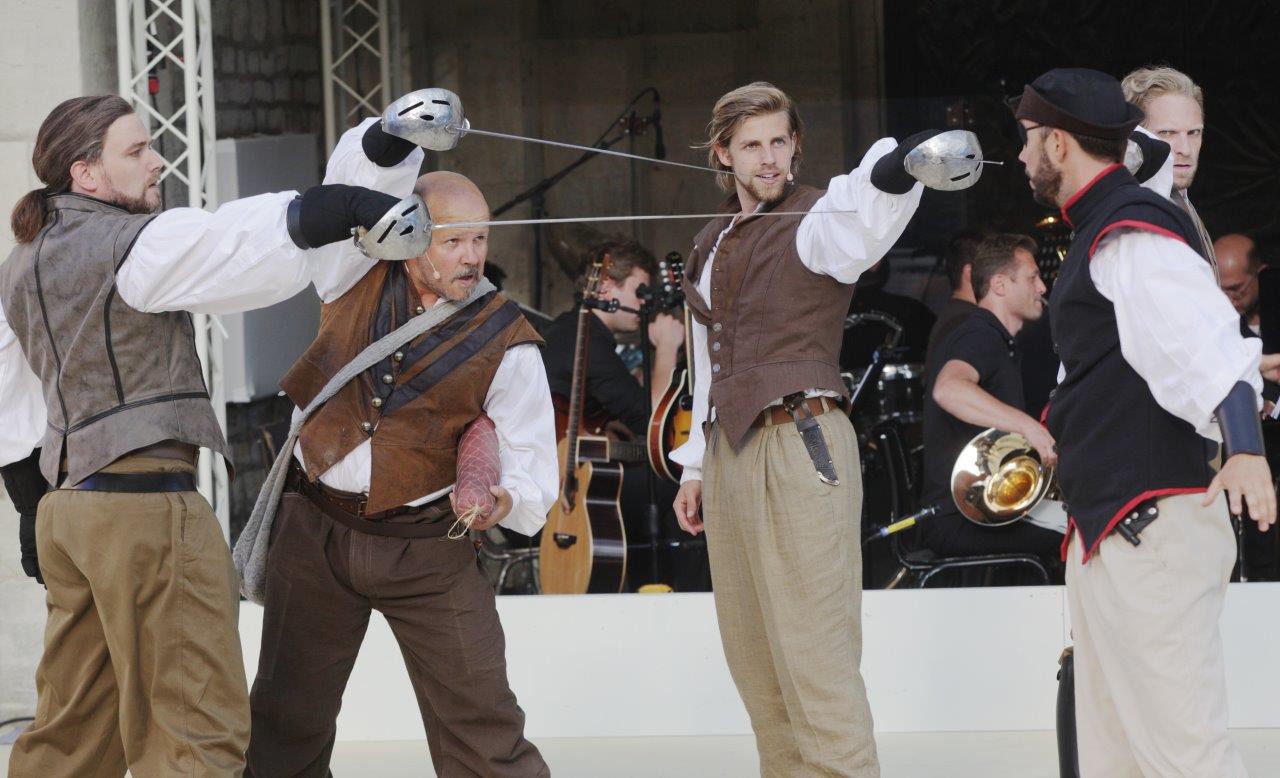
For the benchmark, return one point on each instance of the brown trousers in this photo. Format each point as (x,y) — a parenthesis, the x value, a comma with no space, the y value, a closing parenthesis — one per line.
(323,580)
(142,665)
(786,568)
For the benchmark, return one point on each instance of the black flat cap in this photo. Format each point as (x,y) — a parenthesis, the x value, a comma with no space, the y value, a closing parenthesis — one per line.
(1079,100)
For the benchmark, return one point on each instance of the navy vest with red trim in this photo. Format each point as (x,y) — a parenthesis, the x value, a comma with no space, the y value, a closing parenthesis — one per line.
(1117,447)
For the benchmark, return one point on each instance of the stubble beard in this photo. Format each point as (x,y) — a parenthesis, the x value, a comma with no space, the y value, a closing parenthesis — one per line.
(1046,184)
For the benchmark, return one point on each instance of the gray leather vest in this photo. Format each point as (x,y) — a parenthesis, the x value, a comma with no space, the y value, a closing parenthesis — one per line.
(115,379)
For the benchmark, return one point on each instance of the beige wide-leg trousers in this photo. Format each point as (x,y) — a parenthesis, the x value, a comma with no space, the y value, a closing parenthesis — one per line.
(1151,689)
(786,567)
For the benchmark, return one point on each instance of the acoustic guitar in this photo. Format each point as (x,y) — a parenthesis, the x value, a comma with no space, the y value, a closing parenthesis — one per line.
(584,543)
(673,413)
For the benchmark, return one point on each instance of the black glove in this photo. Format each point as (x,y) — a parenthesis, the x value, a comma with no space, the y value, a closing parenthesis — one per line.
(325,214)
(383,149)
(889,174)
(26,485)
(1154,153)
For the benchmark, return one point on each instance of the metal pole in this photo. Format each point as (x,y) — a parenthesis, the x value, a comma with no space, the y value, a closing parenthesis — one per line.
(209,200)
(384,53)
(190,104)
(124,62)
(326,73)
(207,120)
(138,75)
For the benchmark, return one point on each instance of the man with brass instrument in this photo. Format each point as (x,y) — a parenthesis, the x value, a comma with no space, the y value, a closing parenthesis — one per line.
(779,457)
(977,383)
(1154,368)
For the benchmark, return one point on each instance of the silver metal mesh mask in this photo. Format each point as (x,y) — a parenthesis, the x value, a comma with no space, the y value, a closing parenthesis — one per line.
(431,118)
(404,232)
(943,161)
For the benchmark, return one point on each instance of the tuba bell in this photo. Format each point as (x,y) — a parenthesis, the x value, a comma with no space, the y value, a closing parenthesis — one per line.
(998,478)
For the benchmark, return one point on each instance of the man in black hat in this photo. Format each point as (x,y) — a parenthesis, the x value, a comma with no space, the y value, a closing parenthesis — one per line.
(1154,369)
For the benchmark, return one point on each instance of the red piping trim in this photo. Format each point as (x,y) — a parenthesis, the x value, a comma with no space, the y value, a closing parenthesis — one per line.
(1137,225)
(1044,415)
(1080,193)
(1147,495)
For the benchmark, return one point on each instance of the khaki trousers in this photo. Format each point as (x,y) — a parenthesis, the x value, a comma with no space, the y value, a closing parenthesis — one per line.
(786,569)
(142,666)
(1151,696)
(323,581)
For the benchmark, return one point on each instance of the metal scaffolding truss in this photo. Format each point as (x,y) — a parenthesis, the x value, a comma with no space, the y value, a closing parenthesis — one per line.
(164,53)
(358,81)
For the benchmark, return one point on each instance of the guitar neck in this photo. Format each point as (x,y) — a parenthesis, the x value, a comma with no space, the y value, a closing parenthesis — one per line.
(628,451)
(578,389)
(596,448)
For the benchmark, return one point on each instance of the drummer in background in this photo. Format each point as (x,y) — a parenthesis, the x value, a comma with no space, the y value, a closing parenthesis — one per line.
(976,383)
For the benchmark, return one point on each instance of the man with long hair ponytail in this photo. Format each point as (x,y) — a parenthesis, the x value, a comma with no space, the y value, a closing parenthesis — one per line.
(104,400)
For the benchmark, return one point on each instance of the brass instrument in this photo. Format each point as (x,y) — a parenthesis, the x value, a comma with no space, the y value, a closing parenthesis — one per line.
(998,478)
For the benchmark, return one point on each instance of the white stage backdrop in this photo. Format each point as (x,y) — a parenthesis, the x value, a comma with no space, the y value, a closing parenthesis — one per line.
(640,665)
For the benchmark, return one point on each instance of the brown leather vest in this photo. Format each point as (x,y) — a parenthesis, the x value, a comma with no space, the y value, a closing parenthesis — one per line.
(413,406)
(773,326)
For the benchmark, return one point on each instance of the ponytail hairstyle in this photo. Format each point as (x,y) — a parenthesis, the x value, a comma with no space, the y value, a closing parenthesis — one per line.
(73,132)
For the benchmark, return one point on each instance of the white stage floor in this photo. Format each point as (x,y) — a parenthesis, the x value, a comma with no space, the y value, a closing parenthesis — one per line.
(954,754)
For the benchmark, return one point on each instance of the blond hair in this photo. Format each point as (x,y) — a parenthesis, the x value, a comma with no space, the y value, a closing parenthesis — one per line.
(755,99)
(1146,84)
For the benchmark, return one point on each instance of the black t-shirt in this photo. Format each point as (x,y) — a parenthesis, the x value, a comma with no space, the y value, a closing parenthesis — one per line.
(983,342)
(610,386)
(953,311)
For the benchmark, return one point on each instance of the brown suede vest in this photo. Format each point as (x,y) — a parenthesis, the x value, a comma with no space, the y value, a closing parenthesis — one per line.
(414,406)
(773,326)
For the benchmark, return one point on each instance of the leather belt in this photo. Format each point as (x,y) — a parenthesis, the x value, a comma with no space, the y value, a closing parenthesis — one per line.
(136,482)
(778,414)
(348,510)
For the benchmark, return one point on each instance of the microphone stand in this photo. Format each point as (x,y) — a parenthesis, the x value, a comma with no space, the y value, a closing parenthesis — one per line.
(647,310)
(538,192)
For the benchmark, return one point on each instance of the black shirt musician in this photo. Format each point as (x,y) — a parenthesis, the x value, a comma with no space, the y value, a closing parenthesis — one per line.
(612,392)
(959,264)
(976,383)
(616,399)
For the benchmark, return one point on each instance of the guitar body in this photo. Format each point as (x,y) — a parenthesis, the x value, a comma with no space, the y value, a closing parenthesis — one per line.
(669,425)
(584,548)
(673,415)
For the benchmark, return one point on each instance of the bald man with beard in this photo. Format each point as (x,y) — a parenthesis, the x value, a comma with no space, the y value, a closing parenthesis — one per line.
(364,521)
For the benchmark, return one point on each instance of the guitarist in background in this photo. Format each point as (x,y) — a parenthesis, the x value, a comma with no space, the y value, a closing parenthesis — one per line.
(615,399)
(613,393)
